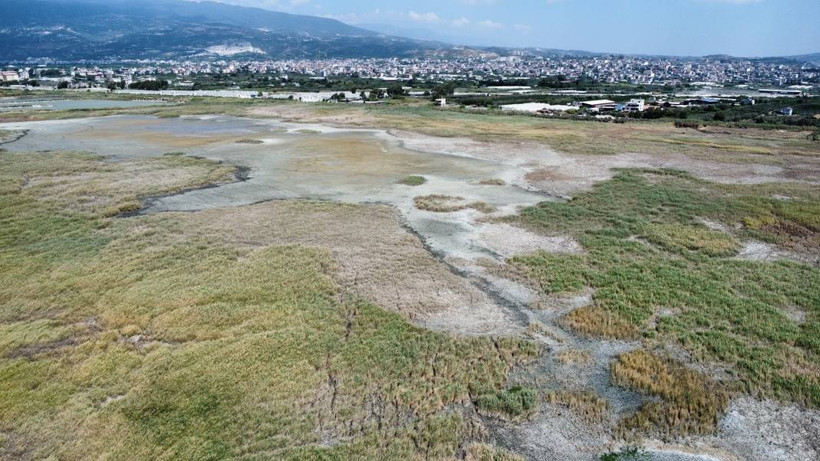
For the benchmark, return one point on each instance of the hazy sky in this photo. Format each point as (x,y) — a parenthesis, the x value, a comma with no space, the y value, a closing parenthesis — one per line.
(681,27)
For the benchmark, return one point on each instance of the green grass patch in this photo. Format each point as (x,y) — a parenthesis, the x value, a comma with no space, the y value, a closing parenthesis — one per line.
(511,403)
(660,275)
(683,239)
(555,274)
(412,180)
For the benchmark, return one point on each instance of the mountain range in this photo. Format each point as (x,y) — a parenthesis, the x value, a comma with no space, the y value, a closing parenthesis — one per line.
(76,30)
(156,29)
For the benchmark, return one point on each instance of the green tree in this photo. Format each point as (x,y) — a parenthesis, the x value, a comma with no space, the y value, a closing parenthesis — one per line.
(444,90)
(396,91)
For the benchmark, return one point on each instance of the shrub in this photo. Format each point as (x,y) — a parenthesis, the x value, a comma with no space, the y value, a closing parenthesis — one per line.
(509,403)
(412,180)
(681,124)
(625,454)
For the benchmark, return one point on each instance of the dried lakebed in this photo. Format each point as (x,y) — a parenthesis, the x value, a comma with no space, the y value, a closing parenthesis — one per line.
(296,161)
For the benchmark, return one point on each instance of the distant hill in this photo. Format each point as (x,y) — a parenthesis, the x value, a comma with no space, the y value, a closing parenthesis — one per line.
(111,29)
(74,30)
(813,58)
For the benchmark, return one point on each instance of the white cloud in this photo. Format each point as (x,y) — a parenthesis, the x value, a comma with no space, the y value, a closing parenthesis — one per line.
(491,24)
(423,17)
(461,22)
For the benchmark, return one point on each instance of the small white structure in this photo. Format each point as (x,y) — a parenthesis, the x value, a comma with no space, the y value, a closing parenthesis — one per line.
(536,107)
(636,105)
(9,76)
(600,104)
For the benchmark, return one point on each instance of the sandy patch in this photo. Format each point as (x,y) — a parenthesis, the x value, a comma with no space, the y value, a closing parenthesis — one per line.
(562,174)
(554,434)
(760,251)
(507,241)
(769,431)
(376,257)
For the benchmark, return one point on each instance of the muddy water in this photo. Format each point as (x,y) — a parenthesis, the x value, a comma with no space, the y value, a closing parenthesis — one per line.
(29,104)
(301,161)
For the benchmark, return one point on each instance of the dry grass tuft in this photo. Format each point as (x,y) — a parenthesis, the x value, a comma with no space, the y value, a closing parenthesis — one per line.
(586,404)
(538,328)
(447,204)
(574,356)
(596,322)
(690,403)
(482,207)
(486,452)
(440,203)
(492,182)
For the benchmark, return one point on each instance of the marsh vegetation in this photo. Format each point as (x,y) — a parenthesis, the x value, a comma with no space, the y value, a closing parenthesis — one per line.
(122,338)
(301,329)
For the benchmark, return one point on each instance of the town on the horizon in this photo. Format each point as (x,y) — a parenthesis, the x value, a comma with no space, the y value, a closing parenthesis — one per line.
(484,68)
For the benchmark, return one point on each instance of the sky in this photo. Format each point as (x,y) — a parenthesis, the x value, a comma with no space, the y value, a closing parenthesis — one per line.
(752,28)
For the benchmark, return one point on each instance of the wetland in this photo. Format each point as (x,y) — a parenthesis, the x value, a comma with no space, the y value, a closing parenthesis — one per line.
(174,287)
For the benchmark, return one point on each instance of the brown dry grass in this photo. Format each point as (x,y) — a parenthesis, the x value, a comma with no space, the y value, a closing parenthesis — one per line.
(440,203)
(376,258)
(486,452)
(574,356)
(586,404)
(538,328)
(690,403)
(563,135)
(599,323)
(447,204)
(483,207)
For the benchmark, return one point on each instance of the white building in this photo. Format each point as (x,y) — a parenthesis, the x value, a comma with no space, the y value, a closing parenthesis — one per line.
(535,107)
(636,105)
(9,76)
(599,105)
